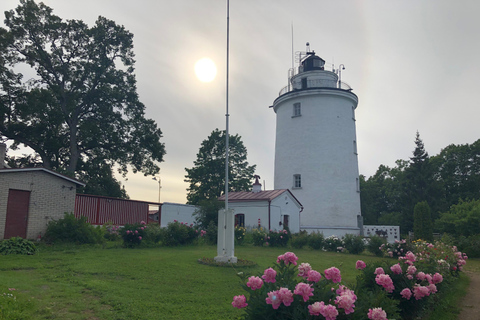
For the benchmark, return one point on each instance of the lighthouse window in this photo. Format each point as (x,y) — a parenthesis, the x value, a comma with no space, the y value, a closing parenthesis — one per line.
(355,147)
(297,181)
(297,110)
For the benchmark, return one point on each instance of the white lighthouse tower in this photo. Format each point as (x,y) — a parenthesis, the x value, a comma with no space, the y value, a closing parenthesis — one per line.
(316,148)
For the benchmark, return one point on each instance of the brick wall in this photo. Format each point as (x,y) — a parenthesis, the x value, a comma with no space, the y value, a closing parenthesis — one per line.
(50,198)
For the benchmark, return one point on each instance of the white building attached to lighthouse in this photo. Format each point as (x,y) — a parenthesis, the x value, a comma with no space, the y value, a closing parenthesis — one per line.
(316,148)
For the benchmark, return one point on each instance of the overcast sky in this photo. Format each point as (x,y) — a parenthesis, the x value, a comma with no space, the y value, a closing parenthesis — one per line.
(413,65)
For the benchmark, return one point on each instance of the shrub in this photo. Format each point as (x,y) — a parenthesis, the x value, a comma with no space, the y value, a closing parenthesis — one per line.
(71,229)
(211,237)
(299,240)
(153,233)
(179,233)
(278,238)
(397,249)
(111,231)
(333,243)
(17,245)
(354,243)
(259,237)
(290,292)
(316,240)
(133,234)
(374,245)
(239,235)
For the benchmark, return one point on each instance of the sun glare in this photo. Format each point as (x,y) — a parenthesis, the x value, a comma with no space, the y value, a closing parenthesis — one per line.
(205,70)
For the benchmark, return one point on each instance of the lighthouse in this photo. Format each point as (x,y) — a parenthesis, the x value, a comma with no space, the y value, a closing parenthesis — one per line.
(316,147)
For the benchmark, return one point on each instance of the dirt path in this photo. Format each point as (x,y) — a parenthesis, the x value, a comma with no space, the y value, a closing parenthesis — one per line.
(471,303)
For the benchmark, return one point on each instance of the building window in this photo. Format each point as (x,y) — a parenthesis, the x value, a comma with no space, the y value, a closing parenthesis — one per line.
(297,110)
(358,185)
(353,113)
(297,181)
(240,220)
(355,147)
(304,83)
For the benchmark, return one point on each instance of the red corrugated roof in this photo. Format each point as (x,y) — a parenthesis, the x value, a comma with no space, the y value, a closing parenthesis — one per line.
(267,195)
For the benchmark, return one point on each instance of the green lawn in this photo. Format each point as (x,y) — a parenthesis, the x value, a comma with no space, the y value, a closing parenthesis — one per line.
(148,283)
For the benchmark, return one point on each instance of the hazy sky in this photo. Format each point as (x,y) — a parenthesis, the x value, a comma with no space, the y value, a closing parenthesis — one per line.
(413,65)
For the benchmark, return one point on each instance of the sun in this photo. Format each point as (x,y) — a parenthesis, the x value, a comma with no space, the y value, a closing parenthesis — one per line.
(205,70)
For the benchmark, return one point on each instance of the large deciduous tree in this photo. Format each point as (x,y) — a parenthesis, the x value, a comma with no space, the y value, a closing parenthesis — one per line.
(76,102)
(207,177)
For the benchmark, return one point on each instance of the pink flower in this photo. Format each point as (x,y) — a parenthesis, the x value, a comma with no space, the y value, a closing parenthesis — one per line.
(254,283)
(314,309)
(385,281)
(406,293)
(269,275)
(437,278)
(287,258)
(421,276)
(136,231)
(304,290)
(377,314)
(432,288)
(420,291)
(303,269)
(239,302)
(333,274)
(396,268)
(410,256)
(128,232)
(346,302)
(379,271)
(343,290)
(139,237)
(273,299)
(314,276)
(286,296)
(143,222)
(360,265)
(411,270)
(329,312)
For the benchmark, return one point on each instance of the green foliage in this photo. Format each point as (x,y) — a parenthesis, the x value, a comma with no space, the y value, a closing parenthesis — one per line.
(462,219)
(333,243)
(133,234)
(207,211)
(397,249)
(278,238)
(354,243)
(299,240)
(17,245)
(179,233)
(316,240)
(111,231)
(422,224)
(239,235)
(206,178)
(259,237)
(14,305)
(211,237)
(389,196)
(470,245)
(375,245)
(71,229)
(153,233)
(78,108)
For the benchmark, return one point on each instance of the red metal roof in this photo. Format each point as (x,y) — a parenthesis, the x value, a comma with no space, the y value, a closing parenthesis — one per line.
(267,195)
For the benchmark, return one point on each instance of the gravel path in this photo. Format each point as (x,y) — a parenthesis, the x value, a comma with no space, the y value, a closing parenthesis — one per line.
(471,303)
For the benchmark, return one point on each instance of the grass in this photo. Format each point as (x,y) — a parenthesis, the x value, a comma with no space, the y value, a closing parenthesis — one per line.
(77,282)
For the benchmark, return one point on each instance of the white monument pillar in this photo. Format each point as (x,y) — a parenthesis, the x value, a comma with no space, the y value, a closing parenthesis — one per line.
(226,237)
